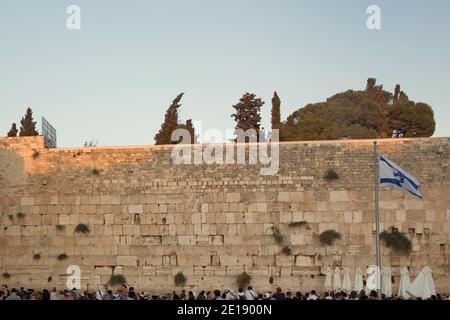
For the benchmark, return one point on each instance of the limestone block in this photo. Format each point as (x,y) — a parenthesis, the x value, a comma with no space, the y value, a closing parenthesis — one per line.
(27,201)
(338,196)
(284,261)
(430,215)
(64,219)
(184,240)
(233,197)
(283,196)
(127,260)
(216,240)
(136,208)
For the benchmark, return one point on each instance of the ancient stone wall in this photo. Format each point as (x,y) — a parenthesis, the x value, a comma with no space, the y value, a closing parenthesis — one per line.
(150,219)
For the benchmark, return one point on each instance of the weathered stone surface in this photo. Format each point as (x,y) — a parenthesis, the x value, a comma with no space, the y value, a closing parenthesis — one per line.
(150,219)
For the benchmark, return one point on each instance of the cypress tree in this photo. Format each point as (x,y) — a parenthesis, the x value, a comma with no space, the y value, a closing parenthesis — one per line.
(13,132)
(170,123)
(396,93)
(189,127)
(276,118)
(28,126)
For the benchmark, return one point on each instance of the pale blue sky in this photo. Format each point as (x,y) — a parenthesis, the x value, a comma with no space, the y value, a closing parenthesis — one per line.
(114,79)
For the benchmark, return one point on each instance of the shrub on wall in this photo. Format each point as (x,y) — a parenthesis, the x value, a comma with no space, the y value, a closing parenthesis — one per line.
(328,237)
(95,172)
(179,279)
(6,275)
(62,257)
(297,224)
(82,228)
(117,279)
(37,256)
(331,175)
(49,279)
(20,215)
(286,250)
(277,235)
(243,280)
(396,240)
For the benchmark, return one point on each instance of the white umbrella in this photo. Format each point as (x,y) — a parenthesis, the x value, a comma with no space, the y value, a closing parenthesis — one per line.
(423,285)
(404,283)
(346,283)
(328,275)
(358,280)
(337,280)
(371,283)
(386,282)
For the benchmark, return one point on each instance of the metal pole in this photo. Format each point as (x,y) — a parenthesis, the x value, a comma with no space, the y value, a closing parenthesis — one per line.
(377,220)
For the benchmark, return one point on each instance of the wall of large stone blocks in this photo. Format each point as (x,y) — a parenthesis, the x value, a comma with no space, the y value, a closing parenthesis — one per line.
(150,219)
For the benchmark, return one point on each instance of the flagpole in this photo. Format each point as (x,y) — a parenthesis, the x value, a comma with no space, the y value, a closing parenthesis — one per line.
(377,220)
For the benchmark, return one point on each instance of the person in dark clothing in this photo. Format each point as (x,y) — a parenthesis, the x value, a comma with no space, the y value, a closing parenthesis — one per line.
(279,295)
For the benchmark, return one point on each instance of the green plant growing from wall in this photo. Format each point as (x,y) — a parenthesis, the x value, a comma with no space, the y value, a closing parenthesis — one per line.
(396,240)
(62,256)
(60,227)
(277,235)
(297,224)
(331,175)
(6,275)
(117,279)
(243,280)
(82,228)
(286,250)
(271,280)
(180,279)
(328,237)
(95,172)
(49,279)
(37,256)
(20,215)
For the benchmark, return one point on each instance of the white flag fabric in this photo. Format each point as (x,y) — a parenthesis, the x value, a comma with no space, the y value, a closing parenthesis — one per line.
(392,175)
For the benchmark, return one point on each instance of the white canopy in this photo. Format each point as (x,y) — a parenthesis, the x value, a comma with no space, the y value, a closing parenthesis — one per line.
(346,283)
(386,286)
(358,280)
(423,285)
(404,283)
(328,274)
(337,280)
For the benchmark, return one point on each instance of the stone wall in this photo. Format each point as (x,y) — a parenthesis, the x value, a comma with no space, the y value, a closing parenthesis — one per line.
(150,219)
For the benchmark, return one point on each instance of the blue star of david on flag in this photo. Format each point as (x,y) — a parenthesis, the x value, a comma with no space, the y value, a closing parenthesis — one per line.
(392,175)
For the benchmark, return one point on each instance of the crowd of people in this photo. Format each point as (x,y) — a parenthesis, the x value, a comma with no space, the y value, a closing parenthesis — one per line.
(129,293)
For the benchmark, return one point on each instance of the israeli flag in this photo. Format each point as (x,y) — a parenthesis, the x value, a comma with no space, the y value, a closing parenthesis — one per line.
(392,175)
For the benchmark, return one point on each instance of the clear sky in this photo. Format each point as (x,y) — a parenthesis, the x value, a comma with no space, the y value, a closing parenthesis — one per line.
(113,80)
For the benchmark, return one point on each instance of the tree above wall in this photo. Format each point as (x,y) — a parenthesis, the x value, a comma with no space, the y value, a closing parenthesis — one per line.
(364,114)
